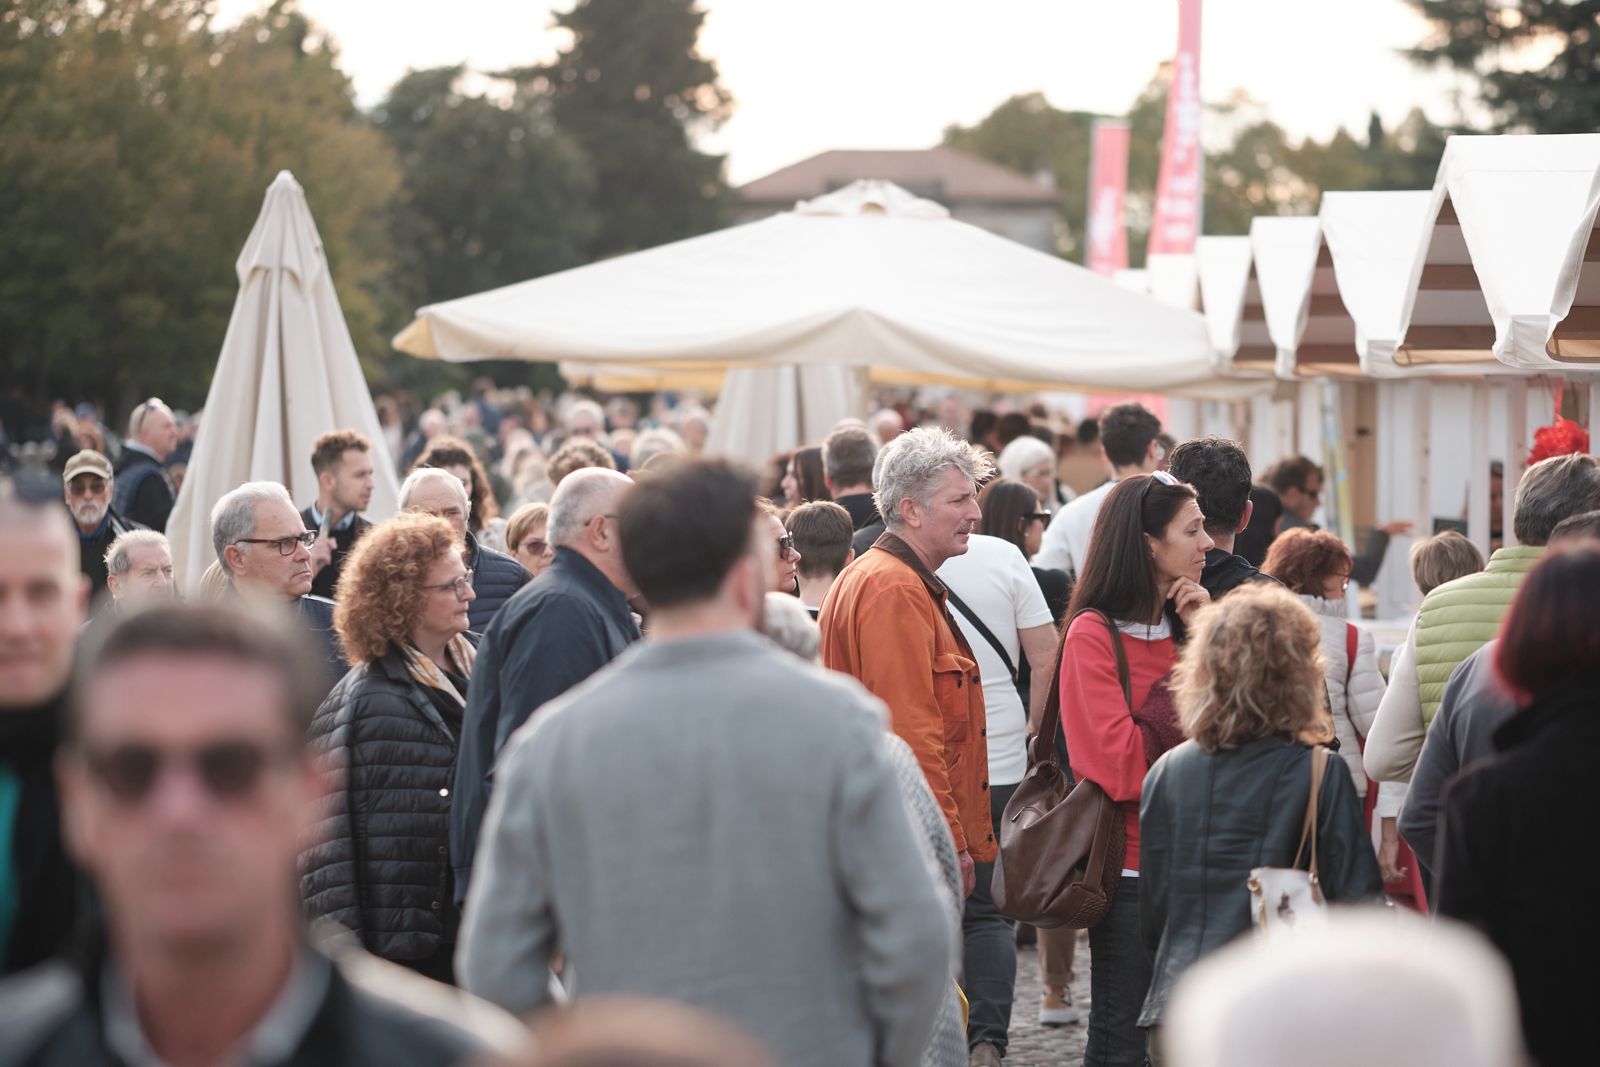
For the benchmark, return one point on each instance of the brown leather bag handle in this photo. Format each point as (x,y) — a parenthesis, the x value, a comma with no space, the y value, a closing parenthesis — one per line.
(1043,748)
(1308,831)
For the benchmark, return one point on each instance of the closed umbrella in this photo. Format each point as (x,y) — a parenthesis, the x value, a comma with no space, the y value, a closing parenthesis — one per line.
(287,372)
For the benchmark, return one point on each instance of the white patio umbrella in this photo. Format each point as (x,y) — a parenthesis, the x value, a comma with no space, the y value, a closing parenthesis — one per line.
(869,276)
(287,372)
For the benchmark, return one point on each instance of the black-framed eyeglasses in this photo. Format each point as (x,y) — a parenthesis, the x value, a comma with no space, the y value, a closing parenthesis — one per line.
(461,586)
(229,770)
(785,545)
(286,545)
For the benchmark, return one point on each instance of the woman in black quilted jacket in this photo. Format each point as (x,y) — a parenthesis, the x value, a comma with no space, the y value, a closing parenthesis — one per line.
(378,862)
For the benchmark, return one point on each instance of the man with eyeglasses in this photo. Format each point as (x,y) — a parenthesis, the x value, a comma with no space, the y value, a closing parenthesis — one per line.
(89,485)
(1298,483)
(42,601)
(145,492)
(555,632)
(496,576)
(187,786)
(265,552)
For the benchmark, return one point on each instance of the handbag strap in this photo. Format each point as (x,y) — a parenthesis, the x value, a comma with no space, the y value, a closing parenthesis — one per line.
(1352,644)
(987,634)
(1044,743)
(1319,765)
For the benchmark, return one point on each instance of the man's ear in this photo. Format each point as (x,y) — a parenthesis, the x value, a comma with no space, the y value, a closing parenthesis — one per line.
(1249,509)
(827,481)
(325,481)
(232,556)
(850,557)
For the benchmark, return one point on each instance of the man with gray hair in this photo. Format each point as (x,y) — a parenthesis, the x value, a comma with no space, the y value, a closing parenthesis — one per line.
(145,492)
(495,575)
(139,568)
(265,552)
(885,621)
(555,632)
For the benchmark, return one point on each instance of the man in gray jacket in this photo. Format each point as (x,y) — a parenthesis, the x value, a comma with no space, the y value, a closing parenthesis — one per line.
(710,820)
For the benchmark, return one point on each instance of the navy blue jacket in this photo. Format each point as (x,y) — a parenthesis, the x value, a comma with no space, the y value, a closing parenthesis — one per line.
(495,577)
(554,633)
(143,491)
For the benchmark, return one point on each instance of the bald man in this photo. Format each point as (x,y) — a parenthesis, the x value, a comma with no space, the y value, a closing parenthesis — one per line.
(145,492)
(42,600)
(555,632)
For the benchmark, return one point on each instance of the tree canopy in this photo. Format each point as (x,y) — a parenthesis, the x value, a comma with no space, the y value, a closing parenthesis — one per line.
(1535,63)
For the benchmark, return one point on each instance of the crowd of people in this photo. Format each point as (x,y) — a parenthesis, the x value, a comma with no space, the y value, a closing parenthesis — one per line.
(695,764)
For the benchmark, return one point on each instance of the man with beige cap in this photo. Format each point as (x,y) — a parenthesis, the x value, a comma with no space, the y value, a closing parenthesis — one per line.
(89,488)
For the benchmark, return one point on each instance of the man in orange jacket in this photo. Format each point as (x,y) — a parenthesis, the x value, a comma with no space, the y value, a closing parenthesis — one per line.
(885,622)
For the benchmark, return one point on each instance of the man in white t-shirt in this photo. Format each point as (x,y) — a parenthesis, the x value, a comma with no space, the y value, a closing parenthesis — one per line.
(1128,440)
(992,582)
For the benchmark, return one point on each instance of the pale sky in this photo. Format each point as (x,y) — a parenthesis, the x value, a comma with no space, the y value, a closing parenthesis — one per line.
(820,74)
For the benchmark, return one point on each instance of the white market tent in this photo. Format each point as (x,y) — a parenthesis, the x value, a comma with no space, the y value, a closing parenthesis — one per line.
(1526,210)
(1223,265)
(1283,254)
(868,276)
(287,373)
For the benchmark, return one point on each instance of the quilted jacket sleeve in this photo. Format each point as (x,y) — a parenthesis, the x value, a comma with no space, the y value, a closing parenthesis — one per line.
(330,860)
(1397,731)
(1364,692)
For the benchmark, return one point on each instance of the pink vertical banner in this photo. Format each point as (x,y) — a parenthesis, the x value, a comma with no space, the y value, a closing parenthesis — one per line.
(1179,191)
(1108,187)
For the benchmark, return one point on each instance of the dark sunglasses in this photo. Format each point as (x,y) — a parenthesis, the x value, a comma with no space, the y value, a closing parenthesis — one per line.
(229,770)
(785,544)
(1041,516)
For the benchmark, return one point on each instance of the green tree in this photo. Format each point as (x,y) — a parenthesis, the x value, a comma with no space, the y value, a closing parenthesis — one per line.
(493,194)
(138,145)
(631,88)
(1536,63)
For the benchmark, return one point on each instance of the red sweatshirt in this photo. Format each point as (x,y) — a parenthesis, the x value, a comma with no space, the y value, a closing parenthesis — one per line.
(1102,740)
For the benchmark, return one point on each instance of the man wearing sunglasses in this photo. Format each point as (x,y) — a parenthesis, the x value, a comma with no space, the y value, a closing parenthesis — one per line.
(187,785)
(42,598)
(265,552)
(1298,483)
(145,492)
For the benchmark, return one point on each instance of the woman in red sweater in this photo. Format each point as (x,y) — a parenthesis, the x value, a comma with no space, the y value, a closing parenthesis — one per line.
(1143,570)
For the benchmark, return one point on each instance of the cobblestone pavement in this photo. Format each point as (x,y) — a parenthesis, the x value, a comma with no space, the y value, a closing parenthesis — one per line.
(1033,1045)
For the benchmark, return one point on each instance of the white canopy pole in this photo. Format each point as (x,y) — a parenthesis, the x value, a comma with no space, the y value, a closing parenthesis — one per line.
(1478,480)
(1516,459)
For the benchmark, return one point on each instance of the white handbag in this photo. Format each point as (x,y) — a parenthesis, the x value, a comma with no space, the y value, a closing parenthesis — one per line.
(1283,898)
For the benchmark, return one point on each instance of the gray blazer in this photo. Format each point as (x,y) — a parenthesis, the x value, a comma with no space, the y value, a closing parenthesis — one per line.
(713,821)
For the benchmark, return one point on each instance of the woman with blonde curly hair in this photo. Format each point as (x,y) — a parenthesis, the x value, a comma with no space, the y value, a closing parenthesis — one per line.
(1233,796)
(379,860)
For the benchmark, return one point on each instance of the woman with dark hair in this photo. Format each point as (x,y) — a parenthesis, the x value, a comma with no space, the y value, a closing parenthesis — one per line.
(802,477)
(379,863)
(1143,575)
(1012,512)
(456,456)
(1514,852)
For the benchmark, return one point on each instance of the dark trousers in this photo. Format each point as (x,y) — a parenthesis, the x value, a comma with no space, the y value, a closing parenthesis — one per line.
(989,949)
(1120,969)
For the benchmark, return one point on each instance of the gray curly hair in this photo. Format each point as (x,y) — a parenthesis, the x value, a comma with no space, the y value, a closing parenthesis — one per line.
(912,464)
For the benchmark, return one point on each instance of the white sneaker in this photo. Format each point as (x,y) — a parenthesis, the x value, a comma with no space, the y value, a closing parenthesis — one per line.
(1063,1013)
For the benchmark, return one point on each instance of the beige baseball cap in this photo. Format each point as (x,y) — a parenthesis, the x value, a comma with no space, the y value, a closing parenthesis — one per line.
(87,462)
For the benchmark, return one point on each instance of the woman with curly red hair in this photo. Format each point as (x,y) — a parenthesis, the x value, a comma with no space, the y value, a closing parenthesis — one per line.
(1316,565)
(379,863)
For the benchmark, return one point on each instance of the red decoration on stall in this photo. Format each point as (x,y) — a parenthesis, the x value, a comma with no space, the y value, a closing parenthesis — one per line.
(1561,438)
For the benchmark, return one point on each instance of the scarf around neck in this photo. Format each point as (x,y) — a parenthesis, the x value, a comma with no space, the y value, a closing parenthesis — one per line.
(458,653)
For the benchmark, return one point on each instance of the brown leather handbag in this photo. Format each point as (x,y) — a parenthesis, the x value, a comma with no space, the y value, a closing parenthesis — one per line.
(1061,841)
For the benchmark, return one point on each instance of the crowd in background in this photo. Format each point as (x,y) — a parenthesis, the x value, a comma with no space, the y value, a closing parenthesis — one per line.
(595,718)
